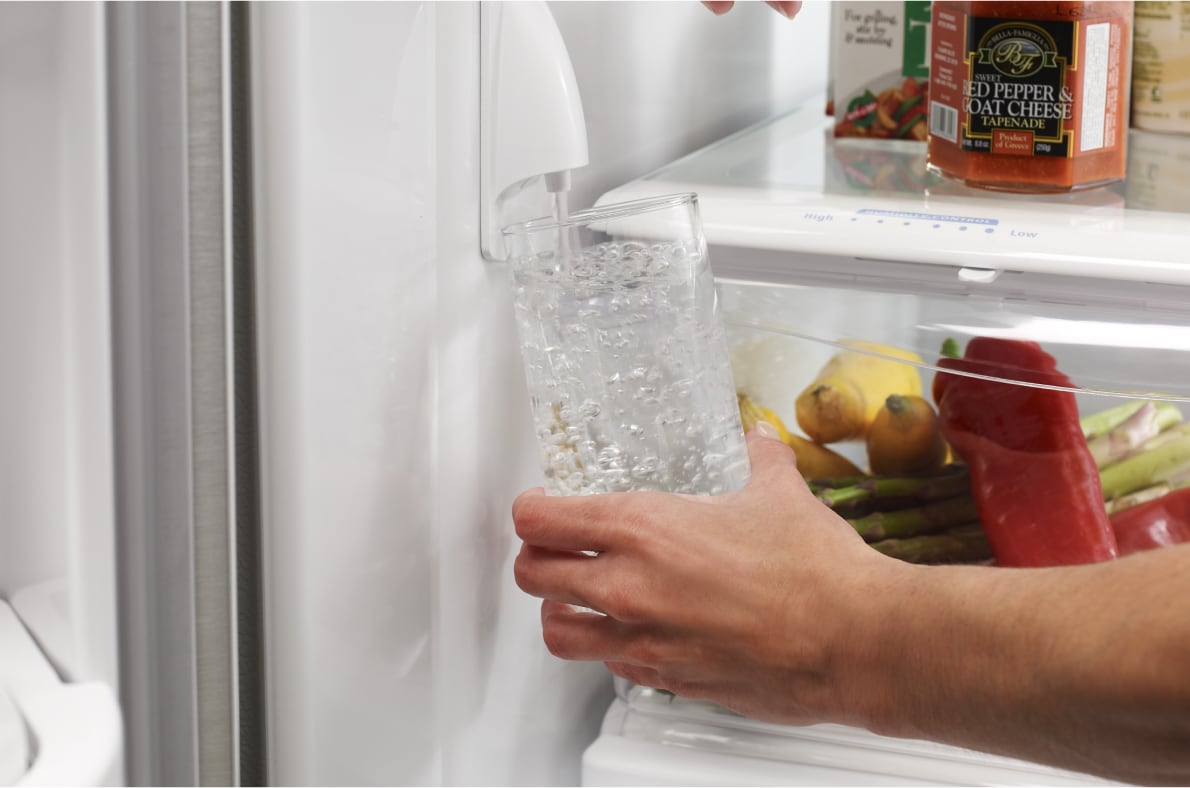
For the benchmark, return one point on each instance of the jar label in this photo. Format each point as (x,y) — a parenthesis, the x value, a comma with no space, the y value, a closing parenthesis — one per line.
(1026,87)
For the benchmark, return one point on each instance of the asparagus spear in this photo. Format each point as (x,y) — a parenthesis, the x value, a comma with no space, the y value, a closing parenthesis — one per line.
(934,516)
(1149,493)
(956,481)
(963,544)
(1161,458)
(819,485)
(1105,421)
(1144,424)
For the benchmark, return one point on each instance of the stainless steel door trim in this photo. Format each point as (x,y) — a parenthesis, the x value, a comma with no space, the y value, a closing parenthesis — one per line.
(210,373)
(174,348)
(150,316)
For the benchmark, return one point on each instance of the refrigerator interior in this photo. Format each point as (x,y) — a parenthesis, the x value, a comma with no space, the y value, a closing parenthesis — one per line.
(780,336)
(815,241)
(59,676)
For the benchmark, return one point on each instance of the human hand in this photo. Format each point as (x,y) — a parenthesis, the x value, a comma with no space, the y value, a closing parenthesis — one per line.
(742,599)
(787,8)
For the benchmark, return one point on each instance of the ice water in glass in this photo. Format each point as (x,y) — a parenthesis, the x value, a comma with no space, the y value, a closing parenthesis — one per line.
(625,357)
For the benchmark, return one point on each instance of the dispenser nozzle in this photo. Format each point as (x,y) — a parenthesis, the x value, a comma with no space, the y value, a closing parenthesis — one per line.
(557,181)
(531,114)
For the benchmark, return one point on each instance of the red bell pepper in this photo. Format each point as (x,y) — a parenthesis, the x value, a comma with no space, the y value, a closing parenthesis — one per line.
(1034,481)
(1157,523)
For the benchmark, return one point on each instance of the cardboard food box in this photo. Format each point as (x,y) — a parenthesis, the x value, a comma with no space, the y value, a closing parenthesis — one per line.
(1161,67)
(880,68)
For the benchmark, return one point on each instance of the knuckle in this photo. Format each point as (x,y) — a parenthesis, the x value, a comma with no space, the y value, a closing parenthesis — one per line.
(637,520)
(556,640)
(520,572)
(523,572)
(621,603)
(527,517)
(685,688)
(647,649)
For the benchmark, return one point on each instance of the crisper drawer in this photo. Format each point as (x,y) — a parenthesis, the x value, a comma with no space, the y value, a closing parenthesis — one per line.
(1065,394)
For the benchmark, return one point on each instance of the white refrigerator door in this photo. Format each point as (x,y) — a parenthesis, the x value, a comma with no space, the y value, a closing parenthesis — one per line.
(395,430)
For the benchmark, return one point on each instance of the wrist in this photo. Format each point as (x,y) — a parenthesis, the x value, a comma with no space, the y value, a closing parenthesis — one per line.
(871,641)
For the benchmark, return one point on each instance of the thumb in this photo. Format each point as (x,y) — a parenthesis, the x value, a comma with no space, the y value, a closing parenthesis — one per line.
(768,454)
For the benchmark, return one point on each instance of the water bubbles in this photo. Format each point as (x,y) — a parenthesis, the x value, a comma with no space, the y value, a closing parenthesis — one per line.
(713,460)
(630,388)
(589,409)
(609,457)
(645,467)
(609,251)
(672,417)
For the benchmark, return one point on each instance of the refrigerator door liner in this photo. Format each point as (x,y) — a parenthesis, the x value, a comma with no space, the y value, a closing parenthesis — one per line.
(60,733)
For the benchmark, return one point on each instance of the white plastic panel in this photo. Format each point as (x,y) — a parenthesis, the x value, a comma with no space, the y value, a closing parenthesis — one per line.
(56,507)
(788,186)
(655,740)
(61,734)
(15,747)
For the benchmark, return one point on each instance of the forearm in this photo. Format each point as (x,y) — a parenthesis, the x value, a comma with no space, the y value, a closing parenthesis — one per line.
(1087,668)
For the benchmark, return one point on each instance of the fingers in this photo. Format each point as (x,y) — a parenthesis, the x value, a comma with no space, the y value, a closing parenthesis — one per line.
(786,8)
(582,635)
(571,523)
(575,634)
(718,7)
(552,574)
(637,674)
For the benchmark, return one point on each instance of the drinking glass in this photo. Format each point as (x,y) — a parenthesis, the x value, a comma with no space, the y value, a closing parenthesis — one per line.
(625,357)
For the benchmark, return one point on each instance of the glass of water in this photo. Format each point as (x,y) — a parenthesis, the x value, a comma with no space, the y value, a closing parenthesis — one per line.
(625,357)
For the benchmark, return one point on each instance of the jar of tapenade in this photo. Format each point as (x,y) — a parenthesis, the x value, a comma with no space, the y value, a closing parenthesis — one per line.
(1030,96)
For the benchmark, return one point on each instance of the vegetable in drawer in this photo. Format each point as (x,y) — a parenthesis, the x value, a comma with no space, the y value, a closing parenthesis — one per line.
(842,401)
(1157,523)
(813,461)
(1034,480)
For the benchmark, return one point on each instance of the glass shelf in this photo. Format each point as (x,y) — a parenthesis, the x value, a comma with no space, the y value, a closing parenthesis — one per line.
(788,186)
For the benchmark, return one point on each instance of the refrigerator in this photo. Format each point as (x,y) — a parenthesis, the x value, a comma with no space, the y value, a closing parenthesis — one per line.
(265,412)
